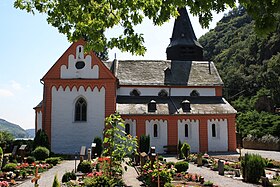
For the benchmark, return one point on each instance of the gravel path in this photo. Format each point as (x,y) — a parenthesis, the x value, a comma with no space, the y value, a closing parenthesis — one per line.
(275,155)
(130,176)
(48,176)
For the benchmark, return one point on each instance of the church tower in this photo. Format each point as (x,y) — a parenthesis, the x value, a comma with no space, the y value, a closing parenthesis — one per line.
(183,44)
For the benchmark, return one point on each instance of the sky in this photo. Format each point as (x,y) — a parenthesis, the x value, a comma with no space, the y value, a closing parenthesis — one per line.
(29,47)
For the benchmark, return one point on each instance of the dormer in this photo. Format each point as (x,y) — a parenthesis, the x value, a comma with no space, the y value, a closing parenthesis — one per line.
(152,106)
(186,106)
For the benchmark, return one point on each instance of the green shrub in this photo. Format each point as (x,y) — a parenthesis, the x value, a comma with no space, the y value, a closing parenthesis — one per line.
(169,164)
(99,146)
(55,182)
(30,159)
(208,183)
(186,149)
(41,139)
(252,167)
(68,176)
(181,166)
(1,157)
(168,185)
(180,154)
(144,144)
(9,167)
(160,158)
(41,153)
(85,167)
(99,181)
(53,160)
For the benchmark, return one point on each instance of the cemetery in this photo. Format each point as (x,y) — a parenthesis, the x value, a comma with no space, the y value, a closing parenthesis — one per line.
(103,163)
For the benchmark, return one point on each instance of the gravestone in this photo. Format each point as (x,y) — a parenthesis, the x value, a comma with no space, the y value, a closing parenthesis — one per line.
(14,152)
(143,158)
(199,160)
(265,181)
(152,150)
(93,153)
(221,167)
(237,173)
(82,153)
(22,152)
(89,154)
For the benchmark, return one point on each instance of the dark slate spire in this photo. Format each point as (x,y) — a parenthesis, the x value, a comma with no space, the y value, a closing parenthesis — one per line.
(184,45)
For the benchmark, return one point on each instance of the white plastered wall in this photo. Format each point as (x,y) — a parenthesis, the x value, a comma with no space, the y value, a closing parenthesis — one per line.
(125,91)
(132,125)
(193,135)
(161,140)
(87,72)
(39,120)
(220,142)
(69,135)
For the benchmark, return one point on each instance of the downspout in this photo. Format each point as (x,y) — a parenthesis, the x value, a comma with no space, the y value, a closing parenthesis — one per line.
(44,106)
(172,100)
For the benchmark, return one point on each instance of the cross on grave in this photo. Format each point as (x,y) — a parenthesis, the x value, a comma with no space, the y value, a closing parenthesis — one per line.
(36,177)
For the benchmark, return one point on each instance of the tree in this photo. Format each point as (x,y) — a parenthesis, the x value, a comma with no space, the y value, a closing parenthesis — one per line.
(41,139)
(55,182)
(91,19)
(6,137)
(118,144)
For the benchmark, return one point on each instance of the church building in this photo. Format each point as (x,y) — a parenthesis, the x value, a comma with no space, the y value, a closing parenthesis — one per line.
(175,99)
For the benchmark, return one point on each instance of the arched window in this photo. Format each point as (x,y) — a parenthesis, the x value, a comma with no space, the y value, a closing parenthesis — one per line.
(186,130)
(155,130)
(135,92)
(213,130)
(194,93)
(127,129)
(81,110)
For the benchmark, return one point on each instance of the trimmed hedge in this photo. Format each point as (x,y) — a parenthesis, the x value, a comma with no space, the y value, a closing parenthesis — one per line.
(68,176)
(181,166)
(252,167)
(9,167)
(85,167)
(53,160)
(41,153)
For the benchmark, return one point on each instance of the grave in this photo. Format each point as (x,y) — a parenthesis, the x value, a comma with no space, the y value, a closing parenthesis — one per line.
(221,168)
(82,153)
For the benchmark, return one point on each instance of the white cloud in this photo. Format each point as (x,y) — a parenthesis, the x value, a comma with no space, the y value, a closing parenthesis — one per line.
(6,93)
(15,85)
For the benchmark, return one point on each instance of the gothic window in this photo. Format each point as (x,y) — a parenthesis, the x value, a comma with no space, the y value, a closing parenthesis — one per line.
(81,110)
(135,92)
(162,93)
(194,93)
(186,130)
(155,130)
(127,129)
(213,130)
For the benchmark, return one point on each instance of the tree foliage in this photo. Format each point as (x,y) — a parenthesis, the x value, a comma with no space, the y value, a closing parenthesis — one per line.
(249,66)
(118,144)
(90,19)
(6,137)
(41,139)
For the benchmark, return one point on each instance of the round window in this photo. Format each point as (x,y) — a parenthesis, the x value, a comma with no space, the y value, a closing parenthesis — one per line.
(80,64)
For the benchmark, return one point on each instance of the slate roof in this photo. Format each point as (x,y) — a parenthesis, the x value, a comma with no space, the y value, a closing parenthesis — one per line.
(165,72)
(172,105)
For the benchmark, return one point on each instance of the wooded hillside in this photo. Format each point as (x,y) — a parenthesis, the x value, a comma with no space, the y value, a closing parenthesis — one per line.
(250,68)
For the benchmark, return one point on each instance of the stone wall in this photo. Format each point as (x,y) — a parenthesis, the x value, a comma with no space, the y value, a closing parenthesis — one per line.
(261,145)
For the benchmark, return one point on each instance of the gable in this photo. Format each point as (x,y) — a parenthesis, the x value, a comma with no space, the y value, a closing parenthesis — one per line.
(75,64)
